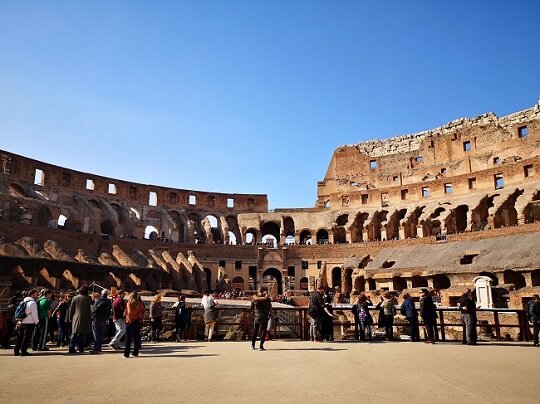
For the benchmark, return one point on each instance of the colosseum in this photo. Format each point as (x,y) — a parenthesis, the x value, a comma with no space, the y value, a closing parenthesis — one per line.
(439,209)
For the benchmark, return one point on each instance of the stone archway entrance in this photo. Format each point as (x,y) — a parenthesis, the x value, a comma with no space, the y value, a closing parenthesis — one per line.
(273,280)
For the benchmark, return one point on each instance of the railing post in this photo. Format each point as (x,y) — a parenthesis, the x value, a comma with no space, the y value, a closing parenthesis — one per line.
(497,324)
(443,334)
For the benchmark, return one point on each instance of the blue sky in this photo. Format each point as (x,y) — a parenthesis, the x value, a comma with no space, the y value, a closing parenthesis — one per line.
(250,96)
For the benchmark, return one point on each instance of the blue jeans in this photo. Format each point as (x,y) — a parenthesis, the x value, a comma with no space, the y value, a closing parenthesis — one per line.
(365,330)
(120,326)
(97,329)
(64,332)
(133,333)
(77,339)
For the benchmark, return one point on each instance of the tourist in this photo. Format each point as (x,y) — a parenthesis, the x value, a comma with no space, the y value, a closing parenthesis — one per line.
(533,309)
(261,305)
(327,321)
(13,302)
(60,314)
(316,312)
(210,314)
(428,311)
(118,309)
(101,312)
(364,317)
(388,309)
(468,315)
(80,315)
(409,311)
(25,327)
(52,323)
(41,331)
(182,318)
(134,322)
(156,318)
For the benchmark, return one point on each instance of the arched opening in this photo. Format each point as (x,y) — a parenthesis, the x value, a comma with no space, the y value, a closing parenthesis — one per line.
(305,237)
(431,226)
(411,223)
(180,226)
(322,236)
(270,241)
(336,277)
(340,235)
(304,283)
(372,285)
(494,279)
(456,222)
(419,282)
(515,278)
(535,277)
(232,238)
(107,227)
(481,212)
(232,222)
(42,217)
(215,231)
(251,236)
(392,228)
(357,227)
(270,229)
(507,214)
(272,279)
(237,283)
(290,240)
(441,281)
(19,280)
(359,284)
(374,227)
(347,281)
(399,283)
(288,226)
(150,233)
(208,273)
(61,221)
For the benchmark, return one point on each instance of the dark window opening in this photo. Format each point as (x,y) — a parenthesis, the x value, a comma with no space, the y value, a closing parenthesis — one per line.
(467,146)
(425,192)
(467,259)
(319,264)
(528,170)
(237,264)
(388,264)
(496,160)
(404,194)
(365,199)
(222,264)
(523,132)
(472,183)
(499,181)
(304,265)
(291,271)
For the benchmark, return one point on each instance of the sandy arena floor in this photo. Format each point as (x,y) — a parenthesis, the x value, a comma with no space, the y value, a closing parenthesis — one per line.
(287,372)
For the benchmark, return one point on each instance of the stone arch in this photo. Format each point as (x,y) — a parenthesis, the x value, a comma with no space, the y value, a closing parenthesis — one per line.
(507,214)
(272,279)
(412,221)
(490,275)
(232,222)
(215,229)
(392,228)
(305,235)
(45,280)
(399,283)
(322,236)
(107,227)
(432,225)
(151,233)
(288,226)
(180,224)
(513,277)
(340,235)
(374,227)
(456,222)
(110,280)
(357,227)
(535,277)
(531,212)
(419,282)
(237,283)
(253,239)
(272,229)
(336,277)
(441,281)
(347,281)
(359,284)
(195,229)
(68,280)
(208,273)
(480,214)
(42,216)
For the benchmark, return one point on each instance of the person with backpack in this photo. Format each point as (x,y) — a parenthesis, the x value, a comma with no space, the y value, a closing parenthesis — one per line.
(533,309)
(41,332)
(27,317)
(10,320)
(101,312)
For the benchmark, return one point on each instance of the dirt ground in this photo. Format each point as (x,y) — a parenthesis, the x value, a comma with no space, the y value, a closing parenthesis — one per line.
(287,372)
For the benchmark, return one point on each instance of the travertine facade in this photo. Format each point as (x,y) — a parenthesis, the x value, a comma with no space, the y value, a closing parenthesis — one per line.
(473,182)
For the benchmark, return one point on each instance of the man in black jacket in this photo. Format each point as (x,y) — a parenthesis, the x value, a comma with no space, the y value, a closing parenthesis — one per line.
(428,311)
(101,312)
(534,315)
(468,315)
(316,313)
(261,306)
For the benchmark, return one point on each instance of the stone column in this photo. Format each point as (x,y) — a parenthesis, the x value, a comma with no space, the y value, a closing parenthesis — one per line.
(402,232)
(528,279)
(420,231)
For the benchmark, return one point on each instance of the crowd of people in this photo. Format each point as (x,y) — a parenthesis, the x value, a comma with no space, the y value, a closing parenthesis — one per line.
(80,321)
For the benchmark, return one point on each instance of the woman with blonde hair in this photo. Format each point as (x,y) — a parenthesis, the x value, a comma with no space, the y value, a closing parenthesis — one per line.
(156,317)
(134,321)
